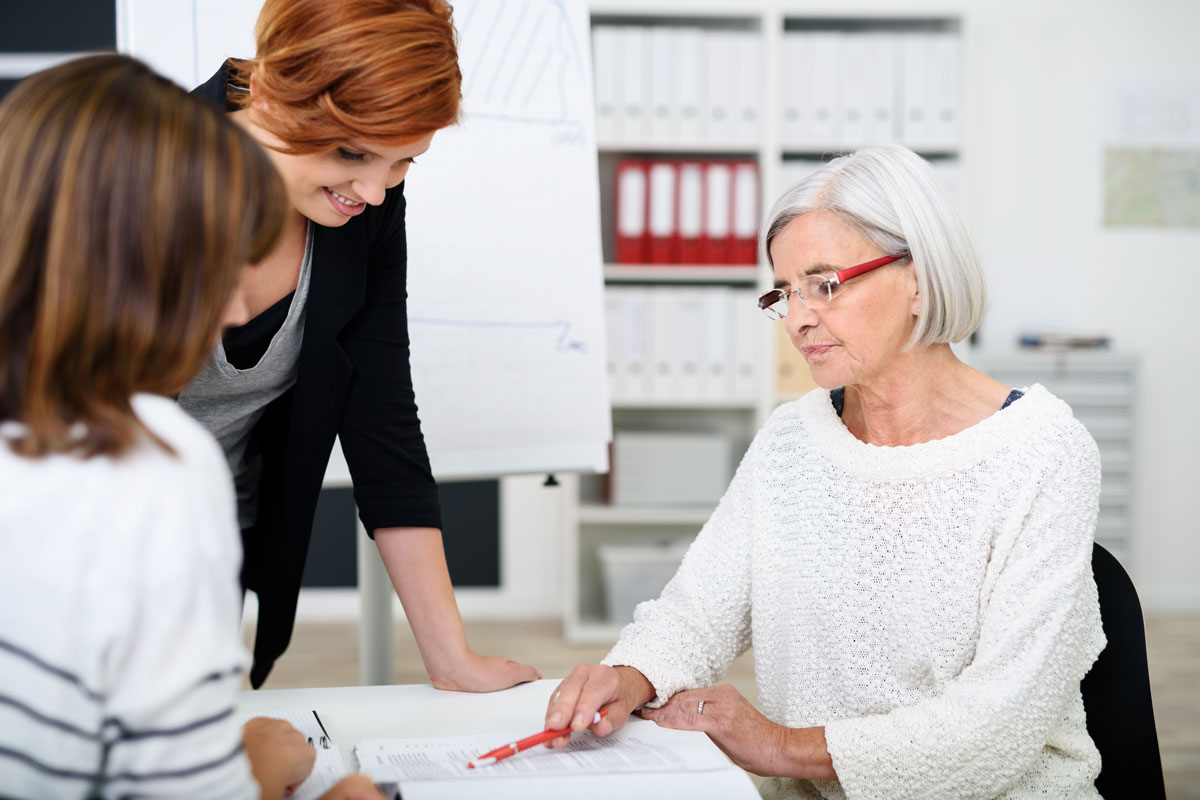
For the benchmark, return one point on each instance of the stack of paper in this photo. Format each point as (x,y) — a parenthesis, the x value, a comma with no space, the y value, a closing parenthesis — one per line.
(328,769)
(641,757)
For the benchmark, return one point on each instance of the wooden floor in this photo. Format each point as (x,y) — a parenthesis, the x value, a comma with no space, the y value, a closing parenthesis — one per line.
(326,654)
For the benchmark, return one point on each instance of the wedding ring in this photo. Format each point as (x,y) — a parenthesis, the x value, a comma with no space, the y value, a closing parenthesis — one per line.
(700,707)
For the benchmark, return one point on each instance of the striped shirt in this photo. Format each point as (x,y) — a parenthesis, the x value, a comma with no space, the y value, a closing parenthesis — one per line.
(120,653)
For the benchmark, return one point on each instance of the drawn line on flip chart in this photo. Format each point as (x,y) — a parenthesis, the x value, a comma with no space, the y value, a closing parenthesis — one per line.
(563,344)
(562,48)
(504,54)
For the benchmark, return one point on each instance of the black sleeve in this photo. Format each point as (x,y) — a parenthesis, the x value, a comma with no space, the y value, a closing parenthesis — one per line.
(380,431)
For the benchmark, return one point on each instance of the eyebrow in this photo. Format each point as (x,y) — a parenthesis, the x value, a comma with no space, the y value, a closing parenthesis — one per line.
(815,269)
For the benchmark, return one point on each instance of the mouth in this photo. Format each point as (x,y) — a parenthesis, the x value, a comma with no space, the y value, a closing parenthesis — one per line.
(816,350)
(342,204)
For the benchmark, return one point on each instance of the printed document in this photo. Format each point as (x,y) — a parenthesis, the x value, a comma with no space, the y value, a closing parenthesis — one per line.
(641,754)
(330,766)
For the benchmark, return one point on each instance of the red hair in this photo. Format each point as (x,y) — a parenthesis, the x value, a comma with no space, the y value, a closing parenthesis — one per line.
(331,70)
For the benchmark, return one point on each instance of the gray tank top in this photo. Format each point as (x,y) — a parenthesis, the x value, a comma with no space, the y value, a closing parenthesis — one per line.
(229,401)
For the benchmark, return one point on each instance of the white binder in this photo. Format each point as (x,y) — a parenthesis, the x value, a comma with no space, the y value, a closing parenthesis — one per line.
(664,345)
(856,72)
(689,75)
(605,43)
(662,77)
(820,78)
(793,96)
(616,318)
(947,60)
(792,171)
(716,381)
(746,72)
(932,93)
(719,83)
(949,174)
(870,91)
(634,118)
(638,312)
(690,345)
(748,343)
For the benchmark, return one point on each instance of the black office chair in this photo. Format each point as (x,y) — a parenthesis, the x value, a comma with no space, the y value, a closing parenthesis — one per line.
(1116,692)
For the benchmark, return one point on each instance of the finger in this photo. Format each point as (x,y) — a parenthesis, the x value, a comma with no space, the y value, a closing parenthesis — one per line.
(600,690)
(683,721)
(562,701)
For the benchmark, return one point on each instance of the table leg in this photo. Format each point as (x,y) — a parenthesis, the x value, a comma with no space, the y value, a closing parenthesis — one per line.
(375,637)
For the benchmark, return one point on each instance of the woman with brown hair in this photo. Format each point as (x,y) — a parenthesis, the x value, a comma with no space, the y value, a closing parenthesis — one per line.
(344,94)
(128,210)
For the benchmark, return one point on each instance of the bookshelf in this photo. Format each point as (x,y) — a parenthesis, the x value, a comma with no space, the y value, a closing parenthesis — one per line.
(769,138)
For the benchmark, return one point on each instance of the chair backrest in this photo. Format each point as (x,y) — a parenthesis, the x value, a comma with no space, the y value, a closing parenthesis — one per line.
(1116,692)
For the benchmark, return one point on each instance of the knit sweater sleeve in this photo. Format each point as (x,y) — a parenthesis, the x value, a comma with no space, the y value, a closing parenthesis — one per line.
(690,635)
(1039,635)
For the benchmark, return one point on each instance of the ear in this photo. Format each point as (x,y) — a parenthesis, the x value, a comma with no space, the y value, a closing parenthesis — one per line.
(914,289)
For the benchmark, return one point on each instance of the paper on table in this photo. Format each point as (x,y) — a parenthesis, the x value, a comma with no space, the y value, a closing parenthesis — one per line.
(728,784)
(641,746)
(328,769)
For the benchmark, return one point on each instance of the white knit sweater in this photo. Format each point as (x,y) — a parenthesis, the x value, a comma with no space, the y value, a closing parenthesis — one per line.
(932,606)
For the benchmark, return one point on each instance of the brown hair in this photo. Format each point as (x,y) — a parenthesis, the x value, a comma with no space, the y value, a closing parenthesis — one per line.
(332,70)
(127,210)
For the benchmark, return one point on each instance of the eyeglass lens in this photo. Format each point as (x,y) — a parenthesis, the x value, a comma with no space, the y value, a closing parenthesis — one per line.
(813,291)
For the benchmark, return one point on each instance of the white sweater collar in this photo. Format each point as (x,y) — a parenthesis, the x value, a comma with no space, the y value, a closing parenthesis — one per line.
(830,437)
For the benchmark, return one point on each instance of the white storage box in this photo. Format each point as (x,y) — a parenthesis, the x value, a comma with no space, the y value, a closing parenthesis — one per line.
(633,573)
(670,469)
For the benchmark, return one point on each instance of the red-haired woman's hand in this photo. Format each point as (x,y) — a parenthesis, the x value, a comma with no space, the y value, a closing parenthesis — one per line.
(476,673)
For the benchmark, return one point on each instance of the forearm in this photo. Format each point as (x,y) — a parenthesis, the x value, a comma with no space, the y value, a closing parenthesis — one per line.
(636,689)
(803,753)
(416,563)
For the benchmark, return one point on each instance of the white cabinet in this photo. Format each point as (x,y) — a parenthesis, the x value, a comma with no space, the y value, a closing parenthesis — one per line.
(771,90)
(1101,388)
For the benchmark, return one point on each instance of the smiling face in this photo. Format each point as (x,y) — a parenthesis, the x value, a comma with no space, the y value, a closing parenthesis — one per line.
(857,337)
(331,187)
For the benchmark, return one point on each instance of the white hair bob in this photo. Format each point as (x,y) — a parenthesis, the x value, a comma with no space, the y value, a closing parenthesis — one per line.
(891,195)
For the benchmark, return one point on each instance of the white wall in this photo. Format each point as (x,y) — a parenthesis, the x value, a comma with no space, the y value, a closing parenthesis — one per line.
(1039,73)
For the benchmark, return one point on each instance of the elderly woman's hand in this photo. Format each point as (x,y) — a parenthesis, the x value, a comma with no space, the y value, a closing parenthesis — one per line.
(593,687)
(753,742)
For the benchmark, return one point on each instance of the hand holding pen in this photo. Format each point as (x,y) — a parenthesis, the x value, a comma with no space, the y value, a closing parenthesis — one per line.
(511,749)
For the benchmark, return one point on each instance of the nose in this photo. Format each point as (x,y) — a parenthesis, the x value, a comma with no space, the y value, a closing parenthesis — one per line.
(799,316)
(372,187)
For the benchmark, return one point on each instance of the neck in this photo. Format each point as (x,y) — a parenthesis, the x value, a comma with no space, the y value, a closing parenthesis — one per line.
(926,394)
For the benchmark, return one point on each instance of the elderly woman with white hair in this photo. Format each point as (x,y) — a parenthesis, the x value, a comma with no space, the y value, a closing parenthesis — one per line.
(907,548)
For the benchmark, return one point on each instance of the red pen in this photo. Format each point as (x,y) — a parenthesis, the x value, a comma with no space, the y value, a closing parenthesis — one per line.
(492,756)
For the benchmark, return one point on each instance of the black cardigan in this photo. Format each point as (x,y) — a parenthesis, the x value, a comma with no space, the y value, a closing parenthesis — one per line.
(354,380)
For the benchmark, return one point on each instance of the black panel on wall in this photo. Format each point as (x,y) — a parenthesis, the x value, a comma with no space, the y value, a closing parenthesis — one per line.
(57,26)
(471,532)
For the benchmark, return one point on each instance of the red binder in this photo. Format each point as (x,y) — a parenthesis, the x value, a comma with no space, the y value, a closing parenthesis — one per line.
(662,222)
(632,198)
(691,212)
(716,241)
(745,213)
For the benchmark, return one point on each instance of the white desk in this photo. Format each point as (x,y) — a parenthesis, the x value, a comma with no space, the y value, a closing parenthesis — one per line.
(353,713)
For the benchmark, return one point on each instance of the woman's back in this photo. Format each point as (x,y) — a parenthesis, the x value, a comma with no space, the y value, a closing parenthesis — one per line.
(119,617)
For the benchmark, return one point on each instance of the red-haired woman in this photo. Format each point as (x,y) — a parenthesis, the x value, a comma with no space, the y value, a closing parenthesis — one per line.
(344,94)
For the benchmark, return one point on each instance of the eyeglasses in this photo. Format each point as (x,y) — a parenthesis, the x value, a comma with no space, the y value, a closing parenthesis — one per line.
(817,291)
